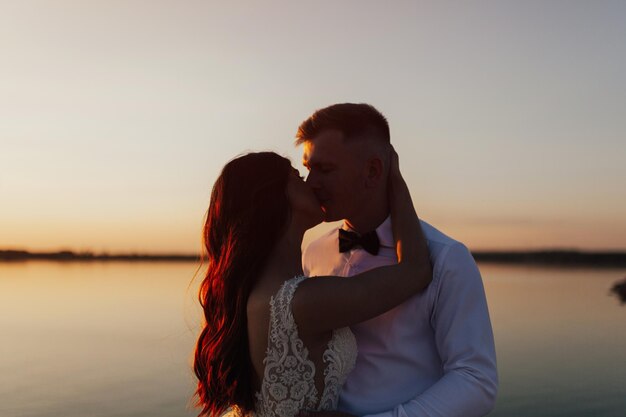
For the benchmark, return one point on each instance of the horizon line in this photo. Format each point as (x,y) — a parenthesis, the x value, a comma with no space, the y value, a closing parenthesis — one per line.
(560,257)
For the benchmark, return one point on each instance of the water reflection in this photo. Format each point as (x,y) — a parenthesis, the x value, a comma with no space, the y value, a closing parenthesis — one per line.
(556,342)
(117,338)
(619,289)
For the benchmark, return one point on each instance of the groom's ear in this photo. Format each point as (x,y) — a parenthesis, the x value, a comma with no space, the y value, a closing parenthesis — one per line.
(374,174)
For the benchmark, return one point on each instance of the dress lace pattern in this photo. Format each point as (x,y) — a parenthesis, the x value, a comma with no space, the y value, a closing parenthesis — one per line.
(288,384)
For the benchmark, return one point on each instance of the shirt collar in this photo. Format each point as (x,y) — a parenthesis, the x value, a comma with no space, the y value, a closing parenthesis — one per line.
(384,232)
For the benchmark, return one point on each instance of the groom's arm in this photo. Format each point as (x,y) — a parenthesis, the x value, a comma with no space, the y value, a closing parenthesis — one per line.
(465,344)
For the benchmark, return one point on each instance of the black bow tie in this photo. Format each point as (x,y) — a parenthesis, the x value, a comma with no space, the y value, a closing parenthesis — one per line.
(368,241)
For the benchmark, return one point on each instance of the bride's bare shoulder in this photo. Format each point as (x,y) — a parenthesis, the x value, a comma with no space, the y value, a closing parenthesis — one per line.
(258,301)
(267,285)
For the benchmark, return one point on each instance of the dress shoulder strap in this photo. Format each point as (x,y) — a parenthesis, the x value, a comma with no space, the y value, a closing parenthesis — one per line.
(280,304)
(288,384)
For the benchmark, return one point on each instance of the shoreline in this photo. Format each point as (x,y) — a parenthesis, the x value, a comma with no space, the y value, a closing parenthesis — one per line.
(70,256)
(552,257)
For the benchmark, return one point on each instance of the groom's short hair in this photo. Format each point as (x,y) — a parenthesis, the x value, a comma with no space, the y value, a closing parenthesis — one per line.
(353,120)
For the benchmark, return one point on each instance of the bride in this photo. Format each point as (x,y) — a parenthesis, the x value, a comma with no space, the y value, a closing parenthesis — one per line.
(273,342)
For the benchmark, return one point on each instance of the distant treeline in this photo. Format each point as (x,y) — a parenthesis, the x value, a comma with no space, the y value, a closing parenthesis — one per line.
(539,257)
(69,256)
(554,257)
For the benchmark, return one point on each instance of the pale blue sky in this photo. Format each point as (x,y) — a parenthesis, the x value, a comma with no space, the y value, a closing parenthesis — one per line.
(116,116)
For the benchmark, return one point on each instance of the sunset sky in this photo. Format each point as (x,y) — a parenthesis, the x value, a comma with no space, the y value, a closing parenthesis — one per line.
(116,116)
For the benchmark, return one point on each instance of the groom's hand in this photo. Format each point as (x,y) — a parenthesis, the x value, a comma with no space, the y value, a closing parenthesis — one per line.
(324,414)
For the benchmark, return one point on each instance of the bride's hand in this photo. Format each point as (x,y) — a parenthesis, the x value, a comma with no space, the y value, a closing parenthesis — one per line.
(403,217)
(394,164)
(411,244)
(398,190)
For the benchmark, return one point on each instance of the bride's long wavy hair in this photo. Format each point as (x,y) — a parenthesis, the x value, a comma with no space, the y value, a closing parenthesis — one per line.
(247,215)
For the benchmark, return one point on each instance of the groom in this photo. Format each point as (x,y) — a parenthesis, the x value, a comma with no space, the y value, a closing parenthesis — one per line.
(433,355)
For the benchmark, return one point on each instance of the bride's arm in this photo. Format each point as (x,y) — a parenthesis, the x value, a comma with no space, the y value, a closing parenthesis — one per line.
(325,303)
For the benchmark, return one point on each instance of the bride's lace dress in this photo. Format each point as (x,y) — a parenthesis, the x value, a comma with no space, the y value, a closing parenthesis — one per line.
(288,382)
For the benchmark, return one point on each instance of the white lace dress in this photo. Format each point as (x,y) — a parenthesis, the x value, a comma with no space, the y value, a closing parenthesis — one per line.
(288,382)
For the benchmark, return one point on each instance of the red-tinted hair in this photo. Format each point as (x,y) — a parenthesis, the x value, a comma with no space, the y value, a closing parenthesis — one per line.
(247,215)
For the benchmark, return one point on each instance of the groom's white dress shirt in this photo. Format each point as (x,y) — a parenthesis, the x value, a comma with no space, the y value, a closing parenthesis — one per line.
(431,356)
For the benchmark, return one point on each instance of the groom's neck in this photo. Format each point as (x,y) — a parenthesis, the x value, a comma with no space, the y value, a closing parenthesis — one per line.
(369,218)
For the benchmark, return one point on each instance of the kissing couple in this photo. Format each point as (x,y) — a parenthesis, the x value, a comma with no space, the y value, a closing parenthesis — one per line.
(384,316)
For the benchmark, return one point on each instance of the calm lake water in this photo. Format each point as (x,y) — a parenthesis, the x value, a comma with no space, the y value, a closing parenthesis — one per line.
(115,339)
